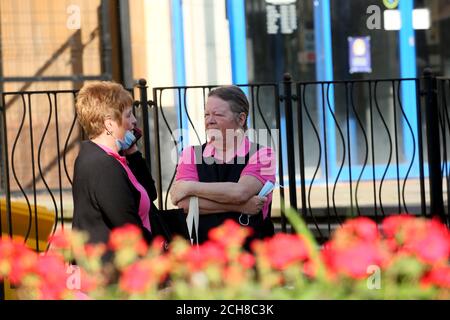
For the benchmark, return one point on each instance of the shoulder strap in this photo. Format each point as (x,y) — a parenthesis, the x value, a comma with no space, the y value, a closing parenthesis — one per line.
(192,219)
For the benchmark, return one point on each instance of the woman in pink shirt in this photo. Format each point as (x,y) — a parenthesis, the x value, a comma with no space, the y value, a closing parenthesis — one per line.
(227,173)
(112,185)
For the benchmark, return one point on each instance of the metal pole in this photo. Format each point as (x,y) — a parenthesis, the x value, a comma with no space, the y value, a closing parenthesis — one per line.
(423,203)
(2,182)
(280,158)
(125,43)
(287,81)
(106,39)
(301,150)
(142,85)
(5,176)
(434,145)
(157,149)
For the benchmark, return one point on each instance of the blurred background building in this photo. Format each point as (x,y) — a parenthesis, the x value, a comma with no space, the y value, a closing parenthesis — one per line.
(59,44)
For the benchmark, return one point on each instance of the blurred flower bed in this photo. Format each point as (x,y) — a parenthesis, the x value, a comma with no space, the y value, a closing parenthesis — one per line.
(403,258)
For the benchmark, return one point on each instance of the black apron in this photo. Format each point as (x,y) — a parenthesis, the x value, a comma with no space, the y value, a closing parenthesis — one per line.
(210,171)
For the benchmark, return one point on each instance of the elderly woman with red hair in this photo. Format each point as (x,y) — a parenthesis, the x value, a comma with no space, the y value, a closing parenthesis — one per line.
(112,185)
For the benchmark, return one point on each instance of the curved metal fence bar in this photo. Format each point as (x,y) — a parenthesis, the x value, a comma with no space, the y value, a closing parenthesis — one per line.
(413,156)
(348,94)
(372,140)
(319,158)
(189,118)
(266,126)
(13,169)
(366,147)
(341,136)
(157,148)
(66,144)
(33,168)
(390,150)
(44,134)
(263,118)
(396,144)
(174,140)
(423,204)
(306,204)
(58,152)
(326,159)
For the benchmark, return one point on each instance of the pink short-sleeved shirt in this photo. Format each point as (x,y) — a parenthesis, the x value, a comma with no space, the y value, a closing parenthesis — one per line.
(261,165)
(144,202)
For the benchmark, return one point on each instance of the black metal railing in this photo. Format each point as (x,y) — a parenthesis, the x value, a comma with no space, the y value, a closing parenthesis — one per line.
(349,148)
(344,148)
(344,123)
(442,101)
(37,138)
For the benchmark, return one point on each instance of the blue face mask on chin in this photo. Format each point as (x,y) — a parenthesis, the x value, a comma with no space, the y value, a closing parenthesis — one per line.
(127,141)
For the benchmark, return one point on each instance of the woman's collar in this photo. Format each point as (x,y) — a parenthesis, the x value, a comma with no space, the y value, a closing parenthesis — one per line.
(111,152)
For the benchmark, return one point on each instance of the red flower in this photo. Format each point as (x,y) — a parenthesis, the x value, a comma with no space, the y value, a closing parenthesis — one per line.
(16,259)
(429,240)
(354,259)
(309,269)
(137,278)
(128,237)
(438,276)
(282,250)
(89,282)
(78,280)
(24,262)
(354,247)
(209,253)
(158,244)
(143,274)
(94,251)
(60,240)
(392,225)
(359,229)
(229,234)
(7,250)
(233,275)
(51,271)
(246,260)
(433,244)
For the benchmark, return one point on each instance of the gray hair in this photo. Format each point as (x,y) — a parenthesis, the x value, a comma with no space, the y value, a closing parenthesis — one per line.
(236,99)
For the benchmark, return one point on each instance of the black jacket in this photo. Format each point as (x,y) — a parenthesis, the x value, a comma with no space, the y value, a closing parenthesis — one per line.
(104,198)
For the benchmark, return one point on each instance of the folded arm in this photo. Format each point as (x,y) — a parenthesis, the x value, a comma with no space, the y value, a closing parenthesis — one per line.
(221,192)
(252,206)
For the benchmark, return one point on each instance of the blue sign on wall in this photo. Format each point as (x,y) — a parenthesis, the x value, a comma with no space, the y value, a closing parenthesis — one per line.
(360,59)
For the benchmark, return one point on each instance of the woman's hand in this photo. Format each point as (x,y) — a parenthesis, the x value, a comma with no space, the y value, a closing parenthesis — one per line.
(179,191)
(130,150)
(254,205)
